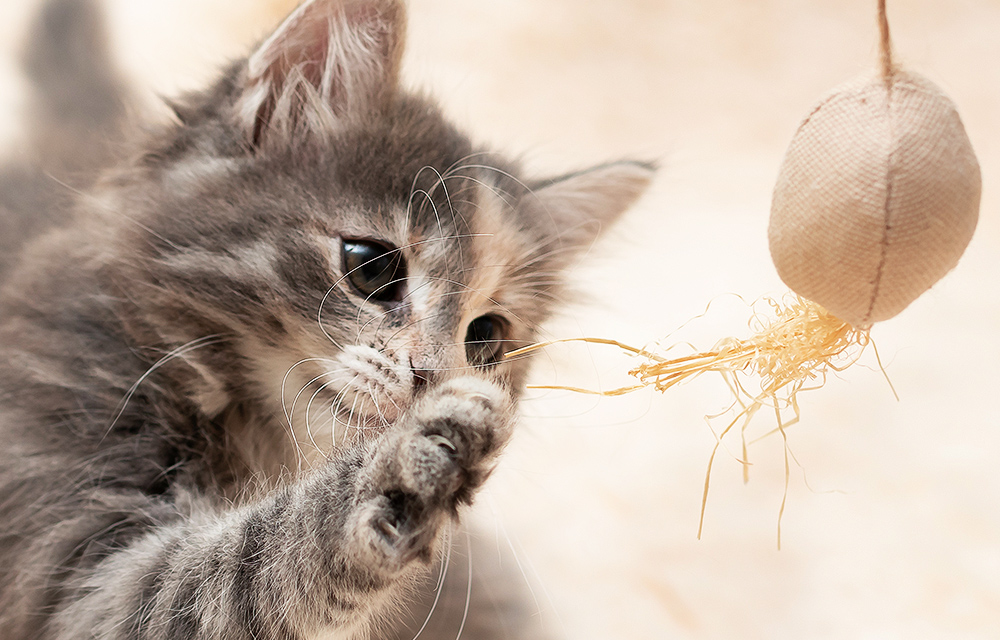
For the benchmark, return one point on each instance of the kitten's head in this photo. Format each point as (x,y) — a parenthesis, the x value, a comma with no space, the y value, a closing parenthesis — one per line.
(310,239)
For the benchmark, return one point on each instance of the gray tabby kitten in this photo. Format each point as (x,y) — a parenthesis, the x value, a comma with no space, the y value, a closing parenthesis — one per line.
(251,361)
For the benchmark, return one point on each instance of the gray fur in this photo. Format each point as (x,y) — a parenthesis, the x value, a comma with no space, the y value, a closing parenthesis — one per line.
(209,434)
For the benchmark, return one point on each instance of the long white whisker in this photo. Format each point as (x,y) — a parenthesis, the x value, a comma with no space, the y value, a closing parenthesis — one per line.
(117,210)
(378,410)
(524,573)
(306,386)
(308,417)
(494,508)
(468,593)
(439,588)
(492,188)
(284,382)
(433,205)
(335,410)
(350,417)
(176,353)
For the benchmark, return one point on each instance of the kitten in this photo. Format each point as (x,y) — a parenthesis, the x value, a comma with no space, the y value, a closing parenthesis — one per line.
(252,361)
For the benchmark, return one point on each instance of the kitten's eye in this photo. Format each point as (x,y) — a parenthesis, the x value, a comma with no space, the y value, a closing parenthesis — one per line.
(375,270)
(484,341)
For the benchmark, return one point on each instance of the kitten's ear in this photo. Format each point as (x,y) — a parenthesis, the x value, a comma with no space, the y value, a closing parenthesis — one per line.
(574,209)
(329,62)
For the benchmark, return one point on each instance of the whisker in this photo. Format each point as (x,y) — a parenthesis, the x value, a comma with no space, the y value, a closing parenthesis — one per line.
(308,417)
(303,390)
(471,289)
(503,196)
(521,565)
(284,381)
(468,593)
(350,416)
(382,288)
(176,353)
(118,211)
(433,205)
(439,588)
(336,411)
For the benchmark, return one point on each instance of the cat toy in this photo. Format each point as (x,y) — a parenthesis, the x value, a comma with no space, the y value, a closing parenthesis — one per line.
(876,200)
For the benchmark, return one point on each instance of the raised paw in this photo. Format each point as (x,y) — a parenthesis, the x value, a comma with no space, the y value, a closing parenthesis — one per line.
(433,460)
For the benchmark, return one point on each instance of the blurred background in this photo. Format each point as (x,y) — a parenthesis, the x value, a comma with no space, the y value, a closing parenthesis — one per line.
(892,523)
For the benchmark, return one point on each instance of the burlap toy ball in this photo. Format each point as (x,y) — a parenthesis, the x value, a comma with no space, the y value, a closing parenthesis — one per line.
(877,198)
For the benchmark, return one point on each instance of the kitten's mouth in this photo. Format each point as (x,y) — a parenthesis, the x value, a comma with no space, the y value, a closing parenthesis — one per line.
(360,392)
(324,419)
(364,414)
(374,387)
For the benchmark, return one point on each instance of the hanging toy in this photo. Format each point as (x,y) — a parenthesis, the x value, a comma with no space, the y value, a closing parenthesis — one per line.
(878,195)
(876,200)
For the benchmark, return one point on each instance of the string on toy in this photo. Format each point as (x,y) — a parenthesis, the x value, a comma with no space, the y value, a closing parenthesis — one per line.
(885,42)
(793,348)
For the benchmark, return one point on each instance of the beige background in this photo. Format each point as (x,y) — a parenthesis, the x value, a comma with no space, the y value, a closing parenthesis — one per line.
(899,535)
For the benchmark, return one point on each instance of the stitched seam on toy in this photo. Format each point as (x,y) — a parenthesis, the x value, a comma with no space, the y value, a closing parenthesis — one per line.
(825,101)
(887,221)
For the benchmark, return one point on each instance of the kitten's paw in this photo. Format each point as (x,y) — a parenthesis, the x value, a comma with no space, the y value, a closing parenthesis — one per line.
(432,461)
(456,430)
(393,529)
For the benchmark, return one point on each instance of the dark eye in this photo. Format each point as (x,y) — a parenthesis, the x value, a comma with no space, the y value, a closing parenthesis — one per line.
(484,341)
(375,270)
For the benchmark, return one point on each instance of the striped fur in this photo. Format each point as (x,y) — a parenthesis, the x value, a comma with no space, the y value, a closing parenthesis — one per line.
(208,432)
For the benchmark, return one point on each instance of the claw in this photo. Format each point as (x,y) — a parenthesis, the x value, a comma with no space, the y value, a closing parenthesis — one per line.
(441,441)
(389,529)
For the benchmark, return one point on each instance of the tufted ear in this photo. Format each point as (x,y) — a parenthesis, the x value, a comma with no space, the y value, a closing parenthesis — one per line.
(572,210)
(331,61)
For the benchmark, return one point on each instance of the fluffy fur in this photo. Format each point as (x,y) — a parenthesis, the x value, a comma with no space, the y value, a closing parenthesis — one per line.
(209,431)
